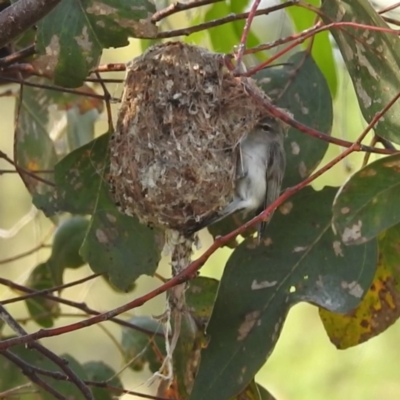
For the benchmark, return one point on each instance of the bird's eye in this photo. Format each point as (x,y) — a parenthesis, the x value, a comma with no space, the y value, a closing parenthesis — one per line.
(264,126)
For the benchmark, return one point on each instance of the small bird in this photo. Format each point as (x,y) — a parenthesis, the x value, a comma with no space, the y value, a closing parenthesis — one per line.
(259,172)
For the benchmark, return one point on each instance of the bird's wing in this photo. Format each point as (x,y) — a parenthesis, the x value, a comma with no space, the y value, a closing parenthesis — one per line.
(276,163)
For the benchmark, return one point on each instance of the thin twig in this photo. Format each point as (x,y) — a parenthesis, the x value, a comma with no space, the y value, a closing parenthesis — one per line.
(245,34)
(22,15)
(105,385)
(365,160)
(391,20)
(25,171)
(9,393)
(110,67)
(222,21)
(20,331)
(38,171)
(309,33)
(30,372)
(27,69)
(104,80)
(389,8)
(55,88)
(39,293)
(107,97)
(17,56)
(80,306)
(23,254)
(177,7)
(278,113)
(33,369)
(387,144)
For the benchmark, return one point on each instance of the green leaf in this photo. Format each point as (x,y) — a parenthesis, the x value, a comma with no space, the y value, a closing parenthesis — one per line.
(127,288)
(67,388)
(196,37)
(200,295)
(372,59)
(224,37)
(186,354)
(229,224)
(43,311)
(11,375)
(146,43)
(71,37)
(321,48)
(119,245)
(77,178)
(141,348)
(254,391)
(115,244)
(98,371)
(289,88)
(34,148)
(389,251)
(264,393)
(367,203)
(300,259)
(80,126)
(66,244)
(237,7)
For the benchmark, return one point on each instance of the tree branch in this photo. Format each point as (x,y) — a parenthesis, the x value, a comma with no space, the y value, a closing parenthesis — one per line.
(177,7)
(13,324)
(29,371)
(80,306)
(21,16)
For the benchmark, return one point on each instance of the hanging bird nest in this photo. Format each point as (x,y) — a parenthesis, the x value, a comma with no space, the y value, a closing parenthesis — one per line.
(173,154)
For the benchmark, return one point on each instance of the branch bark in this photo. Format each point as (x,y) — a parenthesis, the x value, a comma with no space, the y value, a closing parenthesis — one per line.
(21,16)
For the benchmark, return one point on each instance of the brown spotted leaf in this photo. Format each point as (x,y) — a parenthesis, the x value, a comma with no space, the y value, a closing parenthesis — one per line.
(300,259)
(77,177)
(368,203)
(71,38)
(120,246)
(65,248)
(372,59)
(200,296)
(380,307)
(39,113)
(34,150)
(115,244)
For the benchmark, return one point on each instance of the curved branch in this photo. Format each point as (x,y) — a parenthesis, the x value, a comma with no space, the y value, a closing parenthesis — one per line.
(21,16)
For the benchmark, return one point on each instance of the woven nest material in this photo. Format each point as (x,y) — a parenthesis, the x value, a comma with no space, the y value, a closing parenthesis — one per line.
(174,152)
